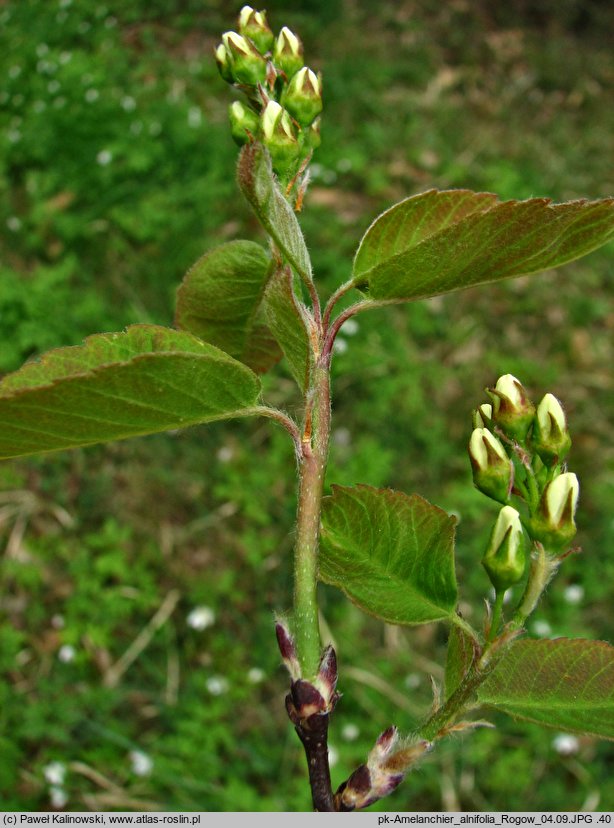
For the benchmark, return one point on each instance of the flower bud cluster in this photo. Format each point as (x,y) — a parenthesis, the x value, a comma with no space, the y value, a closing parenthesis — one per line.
(518,449)
(283,96)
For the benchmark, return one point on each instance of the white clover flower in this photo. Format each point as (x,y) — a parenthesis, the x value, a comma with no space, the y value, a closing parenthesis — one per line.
(66,653)
(350,732)
(542,629)
(142,764)
(128,104)
(58,797)
(217,685)
(200,618)
(55,773)
(104,157)
(255,675)
(225,454)
(195,117)
(574,594)
(13,223)
(340,346)
(565,744)
(350,327)
(413,680)
(92,95)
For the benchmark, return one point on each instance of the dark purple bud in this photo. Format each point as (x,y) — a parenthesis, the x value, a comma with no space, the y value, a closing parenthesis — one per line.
(326,680)
(307,699)
(287,648)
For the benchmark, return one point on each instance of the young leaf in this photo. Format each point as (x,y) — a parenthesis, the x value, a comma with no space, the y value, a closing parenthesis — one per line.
(459,658)
(118,385)
(260,188)
(219,300)
(442,241)
(392,554)
(564,683)
(287,321)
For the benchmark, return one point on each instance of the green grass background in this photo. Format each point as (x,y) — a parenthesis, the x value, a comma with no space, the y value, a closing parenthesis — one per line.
(116,173)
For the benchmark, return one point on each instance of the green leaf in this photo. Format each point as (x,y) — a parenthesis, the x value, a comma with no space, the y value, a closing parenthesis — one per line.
(459,658)
(565,683)
(116,385)
(390,553)
(442,241)
(287,319)
(219,300)
(260,188)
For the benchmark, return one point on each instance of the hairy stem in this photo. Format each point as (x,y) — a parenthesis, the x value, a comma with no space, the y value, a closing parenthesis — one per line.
(311,482)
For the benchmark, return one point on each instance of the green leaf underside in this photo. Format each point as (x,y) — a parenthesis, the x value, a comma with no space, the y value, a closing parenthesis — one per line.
(259,186)
(117,385)
(564,683)
(438,242)
(287,323)
(459,658)
(392,554)
(219,300)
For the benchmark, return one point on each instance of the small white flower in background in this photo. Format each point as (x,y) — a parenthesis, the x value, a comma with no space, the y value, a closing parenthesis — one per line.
(42,49)
(340,346)
(66,653)
(195,117)
(39,106)
(104,157)
(13,223)
(14,72)
(57,621)
(155,128)
(350,327)
(142,764)
(574,594)
(58,797)
(216,685)
(342,436)
(92,95)
(225,454)
(14,136)
(412,681)
(542,628)
(565,744)
(65,57)
(333,756)
(255,675)
(200,618)
(350,732)
(55,773)
(344,165)
(110,22)
(128,104)
(53,87)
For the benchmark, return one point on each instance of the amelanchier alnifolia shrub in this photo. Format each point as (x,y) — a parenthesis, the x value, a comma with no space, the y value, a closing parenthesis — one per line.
(242,308)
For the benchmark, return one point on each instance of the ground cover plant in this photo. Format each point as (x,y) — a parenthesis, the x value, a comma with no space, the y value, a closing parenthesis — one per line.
(378,473)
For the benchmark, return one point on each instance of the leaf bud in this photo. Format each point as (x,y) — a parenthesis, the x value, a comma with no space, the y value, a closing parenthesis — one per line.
(512,410)
(554,523)
(505,557)
(247,64)
(243,122)
(253,24)
(288,52)
(303,96)
(493,471)
(550,438)
(222,58)
(279,137)
(482,416)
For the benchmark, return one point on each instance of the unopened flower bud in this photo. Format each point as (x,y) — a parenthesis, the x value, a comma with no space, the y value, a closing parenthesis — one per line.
(279,136)
(222,58)
(303,97)
(551,438)
(505,558)
(512,410)
(554,524)
(253,24)
(493,471)
(243,122)
(247,64)
(313,139)
(482,416)
(288,52)
(287,648)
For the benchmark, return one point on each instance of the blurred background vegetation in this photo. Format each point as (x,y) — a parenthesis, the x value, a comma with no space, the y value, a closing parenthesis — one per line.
(139,580)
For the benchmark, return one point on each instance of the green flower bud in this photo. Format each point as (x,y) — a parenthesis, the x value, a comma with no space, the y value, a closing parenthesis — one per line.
(247,64)
(482,416)
(303,96)
(288,52)
(252,24)
(313,139)
(554,523)
(505,557)
(279,137)
(222,58)
(550,439)
(513,411)
(243,122)
(493,471)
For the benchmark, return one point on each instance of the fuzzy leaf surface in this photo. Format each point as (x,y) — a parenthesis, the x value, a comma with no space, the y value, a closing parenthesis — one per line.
(392,554)
(287,322)
(564,683)
(438,242)
(219,300)
(259,186)
(141,381)
(459,658)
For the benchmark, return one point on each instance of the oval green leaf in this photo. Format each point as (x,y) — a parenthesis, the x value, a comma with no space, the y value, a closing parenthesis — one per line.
(438,242)
(392,554)
(219,300)
(565,683)
(117,385)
